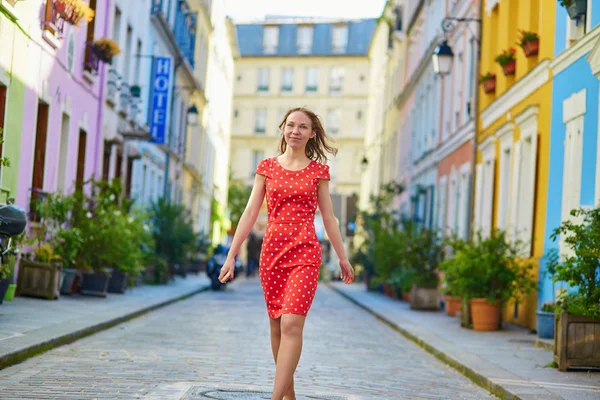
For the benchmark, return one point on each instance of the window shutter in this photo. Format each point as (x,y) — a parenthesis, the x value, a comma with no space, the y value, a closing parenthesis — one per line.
(530,190)
(513,228)
(478,199)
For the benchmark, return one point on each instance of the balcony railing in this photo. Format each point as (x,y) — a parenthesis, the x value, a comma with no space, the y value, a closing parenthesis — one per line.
(183,28)
(91,61)
(113,85)
(125,97)
(53,21)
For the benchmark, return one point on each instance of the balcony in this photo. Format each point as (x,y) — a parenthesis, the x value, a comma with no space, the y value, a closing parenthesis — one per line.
(91,61)
(113,86)
(183,27)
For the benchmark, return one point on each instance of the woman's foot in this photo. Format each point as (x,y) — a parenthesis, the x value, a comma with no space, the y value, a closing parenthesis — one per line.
(291,396)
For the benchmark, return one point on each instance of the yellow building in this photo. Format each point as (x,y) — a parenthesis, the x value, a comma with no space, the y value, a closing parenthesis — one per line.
(317,63)
(513,139)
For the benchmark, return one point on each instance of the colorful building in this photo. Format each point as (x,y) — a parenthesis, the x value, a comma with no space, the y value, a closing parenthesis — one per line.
(514,137)
(574,162)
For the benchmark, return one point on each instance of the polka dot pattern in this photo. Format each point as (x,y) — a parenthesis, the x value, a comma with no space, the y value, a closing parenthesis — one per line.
(291,255)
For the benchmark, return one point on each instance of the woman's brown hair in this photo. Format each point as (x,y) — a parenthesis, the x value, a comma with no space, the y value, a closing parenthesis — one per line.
(317,146)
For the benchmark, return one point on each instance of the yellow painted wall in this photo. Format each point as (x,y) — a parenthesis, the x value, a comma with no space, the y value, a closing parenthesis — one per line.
(500,32)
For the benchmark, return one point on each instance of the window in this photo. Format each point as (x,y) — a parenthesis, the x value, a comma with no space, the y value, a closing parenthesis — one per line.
(260,121)
(340,39)
(128,44)
(334,119)
(270,39)
(484,196)
(505,136)
(442,193)
(312,79)
(336,79)
(2,118)
(263,80)
(80,176)
(463,211)
(305,39)
(61,184)
(106,160)
(359,115)
(236,113)
(280,115)
(287,79)
(39,160)
(91,26)
(257,156)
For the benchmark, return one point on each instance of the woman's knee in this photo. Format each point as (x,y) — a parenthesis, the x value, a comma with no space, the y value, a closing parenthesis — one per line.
(275,325)
(292,325)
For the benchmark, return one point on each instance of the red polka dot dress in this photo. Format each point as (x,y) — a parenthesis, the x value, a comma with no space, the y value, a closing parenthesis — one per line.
(291,254)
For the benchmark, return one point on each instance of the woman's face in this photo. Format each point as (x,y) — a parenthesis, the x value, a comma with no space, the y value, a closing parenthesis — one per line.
(297,130)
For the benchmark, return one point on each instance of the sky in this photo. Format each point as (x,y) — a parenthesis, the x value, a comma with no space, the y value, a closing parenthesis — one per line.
(252,9)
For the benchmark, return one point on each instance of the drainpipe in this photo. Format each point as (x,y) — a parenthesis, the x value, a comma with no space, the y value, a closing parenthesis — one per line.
(470,224)
(99,133)
(166,194)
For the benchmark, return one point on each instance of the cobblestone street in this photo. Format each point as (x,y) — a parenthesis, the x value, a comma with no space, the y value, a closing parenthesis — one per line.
(220,341)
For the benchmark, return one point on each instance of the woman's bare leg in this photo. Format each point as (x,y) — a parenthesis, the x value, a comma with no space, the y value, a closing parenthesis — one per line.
(288,355)
(275,341)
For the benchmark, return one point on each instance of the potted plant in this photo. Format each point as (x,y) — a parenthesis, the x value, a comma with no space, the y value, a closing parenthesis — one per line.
(105,49)
(577,329)
(449,268)
(575,8)
(545,315)
(136,91)
(490,272)
(507,61)
(74,11)
(529,42)
(489,82)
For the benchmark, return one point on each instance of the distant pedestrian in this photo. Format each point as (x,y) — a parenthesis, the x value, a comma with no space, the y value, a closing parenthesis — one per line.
(295,182)
(253,251)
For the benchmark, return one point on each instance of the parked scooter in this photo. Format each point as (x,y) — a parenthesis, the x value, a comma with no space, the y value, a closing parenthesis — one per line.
(216,262)
(12,223)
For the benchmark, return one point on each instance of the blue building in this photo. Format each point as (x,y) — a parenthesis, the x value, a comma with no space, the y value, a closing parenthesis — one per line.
(574,173)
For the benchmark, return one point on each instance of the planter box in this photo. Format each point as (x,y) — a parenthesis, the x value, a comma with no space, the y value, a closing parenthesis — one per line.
(577,9)
(531,48)
(509,68)
(576,341)
(389,291)
(489,85)
(452,305)
(422,298)
(3,288)
(10,292)
(38,279)
(95,283)
(545,324)
(70,281)
(118,281)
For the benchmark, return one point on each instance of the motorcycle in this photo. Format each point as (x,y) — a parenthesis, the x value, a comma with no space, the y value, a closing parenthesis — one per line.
(216,262)
(12,223)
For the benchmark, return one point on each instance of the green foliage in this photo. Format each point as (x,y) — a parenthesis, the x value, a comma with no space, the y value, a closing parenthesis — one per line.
(526,37)
(422,253)
(506,56)
(238,197)
(4,161)
(566,3)
(173,231)
(548,307)
(489,267)
(488,76)
(581,268)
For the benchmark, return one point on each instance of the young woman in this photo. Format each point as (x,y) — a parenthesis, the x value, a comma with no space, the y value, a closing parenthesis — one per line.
(295,182)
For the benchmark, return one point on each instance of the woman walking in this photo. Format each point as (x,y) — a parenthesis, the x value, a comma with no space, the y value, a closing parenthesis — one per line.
(295,182)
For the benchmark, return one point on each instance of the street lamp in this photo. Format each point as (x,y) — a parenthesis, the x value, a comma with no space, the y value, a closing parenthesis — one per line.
(442,58)
(192,116)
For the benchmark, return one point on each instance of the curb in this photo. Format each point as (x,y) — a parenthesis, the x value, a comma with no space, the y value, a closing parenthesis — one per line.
(470,373)
(23,354)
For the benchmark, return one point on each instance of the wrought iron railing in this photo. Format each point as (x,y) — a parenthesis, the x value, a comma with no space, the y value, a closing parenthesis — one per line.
(91,62)
(113,84)
(125,97)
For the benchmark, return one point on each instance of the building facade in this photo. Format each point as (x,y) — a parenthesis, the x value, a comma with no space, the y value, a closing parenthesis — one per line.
(574,153)
(320,64)
(51,89)
(514,135)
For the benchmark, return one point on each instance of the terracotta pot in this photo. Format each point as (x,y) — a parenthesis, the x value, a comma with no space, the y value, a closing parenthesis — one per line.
(510,67)
(452,305)
(406,296)
(486,316)
(489,85)
(531,48)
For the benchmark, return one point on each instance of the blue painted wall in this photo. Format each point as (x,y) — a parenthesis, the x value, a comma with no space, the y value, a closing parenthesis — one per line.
(560,38)
(576,77)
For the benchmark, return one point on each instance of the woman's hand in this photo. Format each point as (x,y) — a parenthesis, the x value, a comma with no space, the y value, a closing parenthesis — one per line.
(227,271)
(347,274)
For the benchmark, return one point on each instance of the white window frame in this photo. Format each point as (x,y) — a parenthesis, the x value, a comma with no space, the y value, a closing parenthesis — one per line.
(262,80)
(304,41)
(442,203)
(257,157)
(505,162)
(270,39)
(287,79)
(339,39)
(463,210)
(574,110)
(312,77)
(260,121)
(336,80)
(334,120)
(452,202)
(485,186)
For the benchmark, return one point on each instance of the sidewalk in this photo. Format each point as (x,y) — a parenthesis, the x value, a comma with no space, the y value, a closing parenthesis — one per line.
(29,326)
(505,362)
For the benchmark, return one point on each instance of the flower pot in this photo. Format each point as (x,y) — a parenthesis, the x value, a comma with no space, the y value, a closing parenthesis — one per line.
(577,9)
(406,296)
(531,48)
(485,315)
(38,279)
(62,10)
(576,341)
(489,85)
(509,68)
(118,281)
(424,298)
(4,283)
(135,91)
(10,292)
(545,324)
(95,283)
(70,281)
(452,305)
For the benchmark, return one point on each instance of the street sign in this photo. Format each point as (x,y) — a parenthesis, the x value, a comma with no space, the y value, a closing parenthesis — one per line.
(161,86)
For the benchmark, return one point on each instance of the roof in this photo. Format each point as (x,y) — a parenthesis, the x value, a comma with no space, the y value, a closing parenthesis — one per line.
(360,32)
